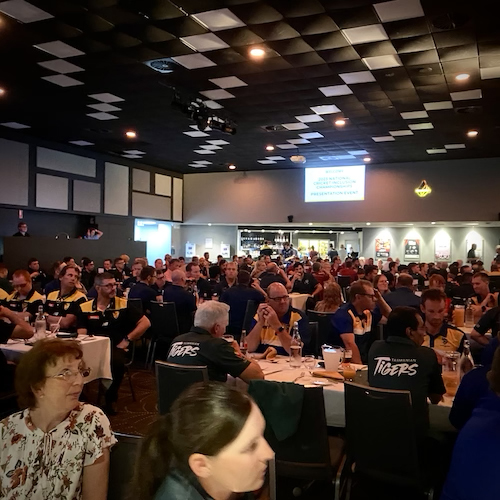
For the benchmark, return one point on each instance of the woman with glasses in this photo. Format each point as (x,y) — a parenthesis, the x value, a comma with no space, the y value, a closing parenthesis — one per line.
(56,447)
(381,283)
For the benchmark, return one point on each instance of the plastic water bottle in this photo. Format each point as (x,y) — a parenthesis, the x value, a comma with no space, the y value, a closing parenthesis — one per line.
(296,348)
(40,324)
(243,343)
(466,362)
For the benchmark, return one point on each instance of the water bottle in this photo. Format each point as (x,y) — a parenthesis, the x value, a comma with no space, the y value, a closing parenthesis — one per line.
(469,315)
(295,348)
(243,343)
(40,324)
(466,363)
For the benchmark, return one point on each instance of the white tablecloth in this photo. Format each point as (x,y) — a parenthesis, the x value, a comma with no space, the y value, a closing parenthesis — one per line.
(96,354)
(299,300)
(334,394)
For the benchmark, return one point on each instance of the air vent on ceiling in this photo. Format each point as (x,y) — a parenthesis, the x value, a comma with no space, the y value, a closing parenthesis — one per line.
(469,110)
(274,128)
(164,65)
(450,20)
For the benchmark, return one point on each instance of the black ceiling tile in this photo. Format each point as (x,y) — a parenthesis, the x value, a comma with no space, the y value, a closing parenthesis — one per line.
(257,13)
(491,61)
(386,77)
(378,104)
(434,93)
(173,48)
(325,81)
(141,53)
(375,49)
(275,31)
(117,39)
(196,6)
(334,40)
(271,64)
(89,46)
(294,96)
(454,38)
(54,29)
(413,44)
(181,27)
(240,37)
(340,55)
(158,10)
(425,70)
(313,25)
(297,8)
(318,72)
(348,66)
(378,95)
(462,66)
(423,58)
(458,53)
(116,16)
(354,17)
(147,33)
(489,48)
(408,28)
(291,46)
(226,56)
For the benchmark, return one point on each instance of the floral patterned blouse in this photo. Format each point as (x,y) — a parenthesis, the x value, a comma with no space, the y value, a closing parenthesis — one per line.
(39,465)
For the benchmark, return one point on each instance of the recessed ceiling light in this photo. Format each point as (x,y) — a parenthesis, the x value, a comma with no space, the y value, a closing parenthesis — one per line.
(368,223)
(310,223)
(270,148)
(209,223)
(472,133)
(462,76)
(2,91)
(232,167)
(257,52)
(130,134)
(340,122)
(432,222)
(367,159)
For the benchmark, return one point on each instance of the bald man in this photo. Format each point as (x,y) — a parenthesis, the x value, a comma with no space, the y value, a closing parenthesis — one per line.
(274,274)
(273,323)
(185,302)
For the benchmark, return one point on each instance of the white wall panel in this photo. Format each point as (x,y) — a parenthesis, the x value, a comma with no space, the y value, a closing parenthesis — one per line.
(65,162)
(163,185)
(148,205)
(116,189)
(51,192)
(86,196)
(141,180)
(14,169)
(177,199)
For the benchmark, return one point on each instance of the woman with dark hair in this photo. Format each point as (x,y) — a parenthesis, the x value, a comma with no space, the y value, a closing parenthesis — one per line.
(381,283)
(56,447)
(210,446)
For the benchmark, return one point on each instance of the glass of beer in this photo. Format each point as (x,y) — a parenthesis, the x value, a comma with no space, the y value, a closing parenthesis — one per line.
(451,375)
(458,318)
(348,371)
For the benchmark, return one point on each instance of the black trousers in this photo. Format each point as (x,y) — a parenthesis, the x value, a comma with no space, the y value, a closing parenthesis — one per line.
(118,360)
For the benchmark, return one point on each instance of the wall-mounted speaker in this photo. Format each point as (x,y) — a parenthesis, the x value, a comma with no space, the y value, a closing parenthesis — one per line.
(290,218)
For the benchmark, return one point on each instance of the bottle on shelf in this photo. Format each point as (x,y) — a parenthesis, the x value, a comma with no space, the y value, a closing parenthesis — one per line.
(469,314)
(466,362)
(40,324)
(296,348)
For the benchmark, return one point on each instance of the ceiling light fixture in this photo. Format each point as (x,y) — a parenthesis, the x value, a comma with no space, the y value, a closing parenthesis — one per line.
(298,159)
(130,134)
(423,189)
(433,223)
(2,91)
(340,122)
(232,167)
(310,223)
(257,53)
(462,76)
(367,159)
(270,148)
(368,223)
(472,133)
(209,223)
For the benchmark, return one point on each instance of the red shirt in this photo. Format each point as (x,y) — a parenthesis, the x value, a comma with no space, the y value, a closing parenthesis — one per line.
(349,271)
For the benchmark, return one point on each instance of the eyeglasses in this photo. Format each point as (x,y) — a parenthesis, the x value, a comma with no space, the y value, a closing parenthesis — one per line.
(69,375)
(280,299)
(372,295)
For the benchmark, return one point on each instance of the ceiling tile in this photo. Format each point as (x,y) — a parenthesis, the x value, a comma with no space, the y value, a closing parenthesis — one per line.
(228,82)
(295,126)
(219,142)
(15,125)
(298,141)
(104,107)
(358,152)
(384,138)
(212,105)
(325,109)
(365,34)
(194,61)
(335,90)
(81,143)
(490,73)
(196,133)
(400,133)
(59,49)
(421,126)
(24,11)
(454,146)
(62,80)
(286,146)
(276,158)
(382,62)
(102,116)
(204,152)
(411,115)
(218,20)
(216,95)
(357,77)
(205,42)
(311,135)
(436,151)
(266,162)
(466,95)
(309,118)
(60,66)
(397,10)
(106,97)
(434,106)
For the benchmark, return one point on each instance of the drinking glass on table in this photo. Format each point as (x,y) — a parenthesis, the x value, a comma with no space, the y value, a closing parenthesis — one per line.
(228,338)
(348,371)
(54,328)
(309,362)
(450,374)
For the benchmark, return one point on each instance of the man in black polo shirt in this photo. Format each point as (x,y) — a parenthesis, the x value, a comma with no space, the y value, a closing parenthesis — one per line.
(109,316)
(490,320)
(401,363)
(203,346)
(193,273)
(229,279)
(185,302)
(88,273)
(38,276)
(303,282)
(403,295)
(135,278)
(62,306)
(274,274)
(143,289)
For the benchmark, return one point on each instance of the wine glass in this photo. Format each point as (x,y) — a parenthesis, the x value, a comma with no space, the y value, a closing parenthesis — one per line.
(310,363)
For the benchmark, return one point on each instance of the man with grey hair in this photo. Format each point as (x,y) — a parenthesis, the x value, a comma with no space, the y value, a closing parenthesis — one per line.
(185,302)
(204,346)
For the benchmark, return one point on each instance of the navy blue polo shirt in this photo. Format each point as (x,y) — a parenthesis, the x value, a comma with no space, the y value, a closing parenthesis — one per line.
(306,285)
(145,293)
(185,305)
(237,298)
(490,319)
(403,296)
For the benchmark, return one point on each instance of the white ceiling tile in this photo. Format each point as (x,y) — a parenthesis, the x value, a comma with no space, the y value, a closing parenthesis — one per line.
(215,95)
(345,157)
(295,126)
(24,11)
(204,152)
(434,106)
(384,138)
(358,152)
(132,157)
(204,42)
(276,158)
(413,115)
(489,73)
(218,142)
(197,165)
(298,141)
(212,147)
(15,125)
(421,126)
(357,77)
(436,151)
(196,133)
(465,95)
(228,82)
(81,143)
(266,162)
(400,133)
(335,90)
(208,129)
(454,146)
(61,66)
(382,62)
(104,107)
(203,162)
(62,80)
(59,49)
(365,34)
(134,152)
(218,20)
(311,135)
(102,116)
(326,109)
(309,118)
(194,61)
(398,10)
(286,146)
(212,105)
(106,97)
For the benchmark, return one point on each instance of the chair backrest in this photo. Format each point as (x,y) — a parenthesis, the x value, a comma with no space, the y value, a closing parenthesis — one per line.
(250,312)
(163,319)
(172,379)
(380,434)
(135,304)
(121,465)
(307,451)
(313,346)
(325,327)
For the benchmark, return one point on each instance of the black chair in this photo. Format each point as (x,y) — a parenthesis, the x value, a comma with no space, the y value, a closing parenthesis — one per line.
(250,312)
(172,379)
(312,346)
(121,465)
(344,283)
(164,328)
(381,441)
(325,328)
(135,304)
(310,454)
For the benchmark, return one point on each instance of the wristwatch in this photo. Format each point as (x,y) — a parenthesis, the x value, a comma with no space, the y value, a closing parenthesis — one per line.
(127,339)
